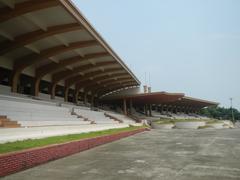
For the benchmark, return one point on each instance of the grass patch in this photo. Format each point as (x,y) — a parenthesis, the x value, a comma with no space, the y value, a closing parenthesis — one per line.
(173,121)
(164,122)
(167,121)
(214,121)
(33,143)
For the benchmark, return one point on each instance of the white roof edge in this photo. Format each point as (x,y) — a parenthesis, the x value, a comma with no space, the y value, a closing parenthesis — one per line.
(71,8)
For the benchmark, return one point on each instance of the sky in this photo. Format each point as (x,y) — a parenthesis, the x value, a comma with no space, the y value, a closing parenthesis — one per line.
(187,46)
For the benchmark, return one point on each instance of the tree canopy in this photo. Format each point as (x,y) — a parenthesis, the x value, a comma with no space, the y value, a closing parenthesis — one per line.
(220,113)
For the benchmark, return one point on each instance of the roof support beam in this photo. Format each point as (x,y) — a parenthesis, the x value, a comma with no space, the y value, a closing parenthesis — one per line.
(69,73)
(95,74)
(31,59)
(107,83)
(26,7)
(96,90)
(31,37)
(56,78)
(54,67)
(94,87)
(82,82)
(101,92)
(87,83)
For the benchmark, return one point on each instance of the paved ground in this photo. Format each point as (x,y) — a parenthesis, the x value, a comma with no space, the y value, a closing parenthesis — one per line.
(160,155)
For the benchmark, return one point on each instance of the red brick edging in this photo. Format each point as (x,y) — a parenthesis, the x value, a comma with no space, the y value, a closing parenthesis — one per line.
(15,162)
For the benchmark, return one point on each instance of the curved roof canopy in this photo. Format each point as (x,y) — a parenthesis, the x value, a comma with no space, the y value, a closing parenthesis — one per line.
(54,38)
(193,102)
(162,98)
(147,98)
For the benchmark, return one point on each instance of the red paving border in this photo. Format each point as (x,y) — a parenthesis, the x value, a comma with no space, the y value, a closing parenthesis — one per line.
(15,162)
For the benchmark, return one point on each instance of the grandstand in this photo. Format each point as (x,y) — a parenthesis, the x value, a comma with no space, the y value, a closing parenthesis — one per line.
(57,71)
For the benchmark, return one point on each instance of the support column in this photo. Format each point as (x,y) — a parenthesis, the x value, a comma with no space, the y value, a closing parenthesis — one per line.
(76,96)
(150,109)
(145,110)
(96,102)
(161,108)
(176,109)
(92,100)
(53,90)
(131,106)
(66,90)
(167,108)
(182,109)
(85,100)
(125,106)
(37,86)
(189,110)
(15,79)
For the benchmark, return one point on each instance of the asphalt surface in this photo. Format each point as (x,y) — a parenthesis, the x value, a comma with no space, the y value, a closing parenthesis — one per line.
(157,155)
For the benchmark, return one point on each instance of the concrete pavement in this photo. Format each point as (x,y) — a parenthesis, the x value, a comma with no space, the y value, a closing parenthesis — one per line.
(158,154)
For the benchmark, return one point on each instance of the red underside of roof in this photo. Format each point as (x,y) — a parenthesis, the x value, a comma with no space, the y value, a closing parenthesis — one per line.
(155,98)
(163,98)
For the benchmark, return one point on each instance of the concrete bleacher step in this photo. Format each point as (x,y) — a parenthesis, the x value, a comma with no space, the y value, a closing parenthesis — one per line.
(112,117)
(8,123)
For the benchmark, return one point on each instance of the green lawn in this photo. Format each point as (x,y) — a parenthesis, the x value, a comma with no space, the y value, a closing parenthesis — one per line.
(172,121)
(32,143)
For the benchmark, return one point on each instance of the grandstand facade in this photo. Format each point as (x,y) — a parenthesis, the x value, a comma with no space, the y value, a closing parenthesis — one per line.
(52,60)
(48,48)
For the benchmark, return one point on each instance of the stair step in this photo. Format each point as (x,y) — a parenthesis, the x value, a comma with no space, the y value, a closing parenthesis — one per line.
(4,120)
(11,126)
(9,122)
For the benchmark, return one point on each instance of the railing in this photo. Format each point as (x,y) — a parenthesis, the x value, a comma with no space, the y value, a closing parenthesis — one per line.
(135,118)
(112,117)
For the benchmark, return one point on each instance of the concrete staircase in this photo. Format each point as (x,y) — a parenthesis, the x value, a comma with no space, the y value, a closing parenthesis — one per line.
(7,123)
(112,117)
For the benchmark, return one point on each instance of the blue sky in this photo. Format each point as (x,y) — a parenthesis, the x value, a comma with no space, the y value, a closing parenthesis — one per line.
(189,46)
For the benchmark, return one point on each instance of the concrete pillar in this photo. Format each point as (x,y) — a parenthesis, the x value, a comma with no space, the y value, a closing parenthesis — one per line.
(53,90)
(92,100)
(125,106)
(145,110)
(76,96)
(182,109)
(85,100)
(15,79)
(161,108)
(167,108)
(175,109)
(96,102)
(150,110)
(66,91)
(36,87)
(131,106)
(189,110)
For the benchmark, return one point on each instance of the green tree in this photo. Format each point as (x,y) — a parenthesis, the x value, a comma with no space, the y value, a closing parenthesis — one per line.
(220,113)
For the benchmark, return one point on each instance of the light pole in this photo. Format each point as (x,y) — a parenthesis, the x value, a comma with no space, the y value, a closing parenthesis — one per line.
(231,100)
